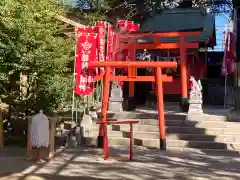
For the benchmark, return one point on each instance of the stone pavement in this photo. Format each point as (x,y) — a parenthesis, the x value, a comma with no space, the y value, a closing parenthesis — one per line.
(86,164)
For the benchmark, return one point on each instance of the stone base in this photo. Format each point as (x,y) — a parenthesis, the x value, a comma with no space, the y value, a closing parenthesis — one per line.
(93,115)
(129,104)
(193,101)
(184,105)
(195,109)
(86,121)
(72,142)
(115,106)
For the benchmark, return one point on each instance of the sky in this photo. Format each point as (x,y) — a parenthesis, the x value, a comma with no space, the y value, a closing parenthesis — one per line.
(221,21)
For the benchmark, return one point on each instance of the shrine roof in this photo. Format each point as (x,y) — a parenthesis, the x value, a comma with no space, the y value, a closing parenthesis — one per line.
(179,19)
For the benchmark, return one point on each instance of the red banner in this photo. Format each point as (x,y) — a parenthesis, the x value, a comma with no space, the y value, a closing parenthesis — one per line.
(127,46)
(92,29)
(110,42)
(229,55)
(127,27)
(123,26)
(86,52)
(101,42)
(115,46)
(132,48)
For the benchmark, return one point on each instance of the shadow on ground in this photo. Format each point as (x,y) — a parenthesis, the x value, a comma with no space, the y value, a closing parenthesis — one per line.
(86,164)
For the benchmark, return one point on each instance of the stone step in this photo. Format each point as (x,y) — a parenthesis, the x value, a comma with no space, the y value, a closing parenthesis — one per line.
(152,125)
(154,143)
(176,120)
(168,116)
(171,144)
(210,131)
(180,129)
(153,115)
(213,152)
(187,137)
(110,133)
(139,115)
(92,141)
(207,117)
(203,137)
(190,123)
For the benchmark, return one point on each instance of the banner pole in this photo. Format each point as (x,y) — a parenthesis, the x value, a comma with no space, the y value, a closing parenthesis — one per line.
(225,91)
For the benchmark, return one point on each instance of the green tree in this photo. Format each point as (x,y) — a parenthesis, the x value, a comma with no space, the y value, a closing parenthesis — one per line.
(139,10)
(33,44)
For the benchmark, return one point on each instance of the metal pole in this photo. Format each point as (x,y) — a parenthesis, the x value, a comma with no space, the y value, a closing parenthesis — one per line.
(225,91)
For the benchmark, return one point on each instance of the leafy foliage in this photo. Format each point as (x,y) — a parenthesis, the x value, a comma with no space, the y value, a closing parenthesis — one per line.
(139,10)
(32,43)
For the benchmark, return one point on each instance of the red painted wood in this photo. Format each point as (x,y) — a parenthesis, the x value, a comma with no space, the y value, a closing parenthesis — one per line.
(137,78)
(125,64)
(105,99)
(160,103)
(105,123)
(115,64)
(151,46)
(105,143)
(118,122)
(158,35)
(131,143)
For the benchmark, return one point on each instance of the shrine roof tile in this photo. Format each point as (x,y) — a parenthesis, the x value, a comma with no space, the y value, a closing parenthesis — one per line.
(178,19)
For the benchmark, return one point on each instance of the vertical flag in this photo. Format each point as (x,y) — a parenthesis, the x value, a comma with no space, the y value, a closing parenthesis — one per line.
(110,42)
(101,42)
(86,52)
(229,54)
(224,70)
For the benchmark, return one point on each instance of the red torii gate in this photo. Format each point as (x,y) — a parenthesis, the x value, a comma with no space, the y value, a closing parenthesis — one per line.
(131,38)
(159,78)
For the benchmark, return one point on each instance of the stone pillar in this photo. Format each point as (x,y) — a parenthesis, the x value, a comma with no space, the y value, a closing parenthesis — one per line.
(116,100)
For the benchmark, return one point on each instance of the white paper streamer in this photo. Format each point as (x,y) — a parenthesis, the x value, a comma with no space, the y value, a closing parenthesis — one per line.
(40,130)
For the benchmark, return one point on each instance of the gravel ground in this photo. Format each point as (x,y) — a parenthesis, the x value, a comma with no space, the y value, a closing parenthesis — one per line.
(87,164)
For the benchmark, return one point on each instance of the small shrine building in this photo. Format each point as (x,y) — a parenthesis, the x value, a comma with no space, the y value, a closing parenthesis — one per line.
(175,20)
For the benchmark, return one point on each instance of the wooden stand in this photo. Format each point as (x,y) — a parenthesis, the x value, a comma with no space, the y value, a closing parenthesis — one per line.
(52,139)
(29,142)
(51,150)
(1,130)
